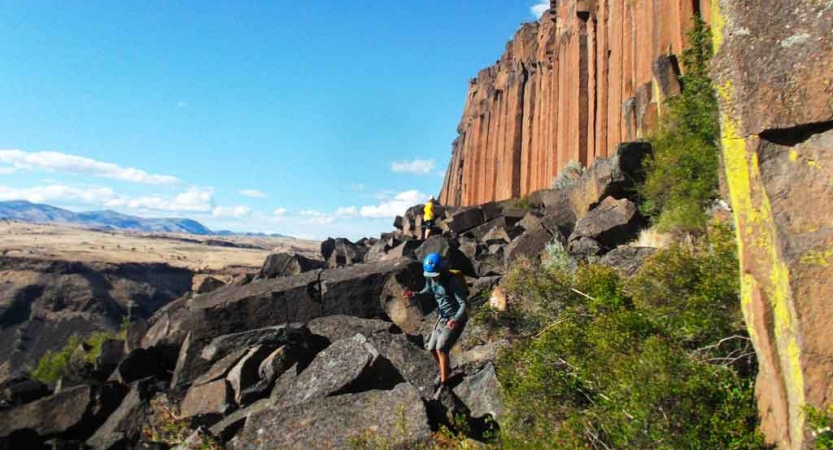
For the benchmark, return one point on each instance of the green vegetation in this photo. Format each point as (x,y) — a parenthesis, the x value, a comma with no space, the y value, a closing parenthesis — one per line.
(821,427)
(53,365)
(682,176)
(168,429)
(659,361)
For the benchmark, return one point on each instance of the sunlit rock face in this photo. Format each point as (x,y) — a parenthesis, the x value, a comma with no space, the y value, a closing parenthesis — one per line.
(570,87)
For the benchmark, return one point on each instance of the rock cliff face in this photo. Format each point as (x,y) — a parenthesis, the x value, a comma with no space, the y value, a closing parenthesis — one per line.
(773,70)
(585,77)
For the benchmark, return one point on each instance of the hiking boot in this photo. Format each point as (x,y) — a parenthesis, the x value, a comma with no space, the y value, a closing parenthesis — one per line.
(439,392)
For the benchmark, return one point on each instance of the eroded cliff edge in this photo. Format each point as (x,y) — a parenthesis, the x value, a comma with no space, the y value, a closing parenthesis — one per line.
(570,87)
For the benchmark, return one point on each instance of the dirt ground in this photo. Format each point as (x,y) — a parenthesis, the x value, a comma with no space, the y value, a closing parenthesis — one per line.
(197,253)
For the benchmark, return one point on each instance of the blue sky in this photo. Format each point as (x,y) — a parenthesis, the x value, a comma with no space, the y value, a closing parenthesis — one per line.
(315,119)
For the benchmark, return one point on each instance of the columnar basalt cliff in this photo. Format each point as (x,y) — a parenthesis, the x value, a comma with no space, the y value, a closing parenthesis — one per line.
(774,74)
(585,77)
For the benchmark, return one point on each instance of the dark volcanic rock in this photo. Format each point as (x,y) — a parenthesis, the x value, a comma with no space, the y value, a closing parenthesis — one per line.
(413,363)
(207,401)
(615,177)
(285,264)
(333,422)
(530,244)
(222,367)
(406,249)
(20,390)
(341,252)
(225,429)
(245,373)
(626,259)
(465,219)
(196,358)
(348,365)
(275,364)
(209,284)
(612,223)
(124,426)
(339,327)
(74,413)
(481,393)
(141,363)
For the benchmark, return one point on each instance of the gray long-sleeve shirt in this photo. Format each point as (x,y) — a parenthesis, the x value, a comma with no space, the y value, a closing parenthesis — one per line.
(451,305)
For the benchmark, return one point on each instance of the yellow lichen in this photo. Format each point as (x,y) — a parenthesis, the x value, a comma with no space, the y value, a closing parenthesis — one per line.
(757,235)
(817,258)
(793,155)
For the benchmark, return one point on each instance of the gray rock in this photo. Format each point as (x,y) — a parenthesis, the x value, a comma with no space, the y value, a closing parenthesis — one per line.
(124,426)
(284,264)
(348,365)
(21,390)
(616,177)
(465,219)
(210,400)
(225,429)
(414,364)
(628,260)
(278,362)
(585,247)
(530,244)
(339,327)
(612,223)
(531,221)
(341,252)
(75,412)
(222,367)
(141,363)
(405,249)
(481,393)
(397,417)
(245,374)
(363,290)
(209,284)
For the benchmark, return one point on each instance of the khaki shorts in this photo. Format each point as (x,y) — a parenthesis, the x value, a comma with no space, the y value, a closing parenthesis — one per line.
(442,338)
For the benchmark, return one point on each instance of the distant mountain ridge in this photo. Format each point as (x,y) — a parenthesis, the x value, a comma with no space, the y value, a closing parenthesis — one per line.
(25,211)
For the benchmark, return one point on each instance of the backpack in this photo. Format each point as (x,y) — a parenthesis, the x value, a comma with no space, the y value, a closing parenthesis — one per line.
(461,277)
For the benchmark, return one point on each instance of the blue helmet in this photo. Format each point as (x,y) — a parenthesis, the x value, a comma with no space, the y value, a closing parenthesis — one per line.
(432,264)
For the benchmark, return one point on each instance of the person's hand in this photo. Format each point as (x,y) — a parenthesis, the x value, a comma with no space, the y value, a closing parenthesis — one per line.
(452,324)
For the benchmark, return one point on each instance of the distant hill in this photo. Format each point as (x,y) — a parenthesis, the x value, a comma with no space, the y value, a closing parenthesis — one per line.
(33,212)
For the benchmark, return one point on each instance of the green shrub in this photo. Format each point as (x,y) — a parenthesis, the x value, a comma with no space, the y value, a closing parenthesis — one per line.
(682,176)
(53,364)
(645,363)
(821,427)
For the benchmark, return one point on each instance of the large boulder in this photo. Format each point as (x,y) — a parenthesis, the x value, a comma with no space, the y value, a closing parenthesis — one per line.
(124,426)
(75,413)
(615,177)
(197,356)
(413,363)
(208,402)
(612,223)
(339,327)
(246,374)
(465,219)
(529,245)
(341,252)
(481,393)
(627,260)
(286,264)
(20,390)
(208,284)
(396,417)
(406,249)
(348,365)
(141,363)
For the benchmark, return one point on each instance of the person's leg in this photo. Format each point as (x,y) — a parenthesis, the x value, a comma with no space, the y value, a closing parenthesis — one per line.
(445,363)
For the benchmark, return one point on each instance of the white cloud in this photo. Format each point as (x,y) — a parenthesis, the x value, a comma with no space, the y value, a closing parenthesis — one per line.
(280,211)
(7,170)
(253,193)
(347,211)
(540,8)
(231,211)
(417,166)
(395,206)
(194,200)
(62,162)
(317,217)
(57,192)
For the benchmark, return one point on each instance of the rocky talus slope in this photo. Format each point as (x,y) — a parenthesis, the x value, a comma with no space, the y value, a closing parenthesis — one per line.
(774,74)
(313,355)
(570,87)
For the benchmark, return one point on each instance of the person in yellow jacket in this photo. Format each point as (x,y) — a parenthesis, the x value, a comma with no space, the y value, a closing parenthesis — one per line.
(428,218)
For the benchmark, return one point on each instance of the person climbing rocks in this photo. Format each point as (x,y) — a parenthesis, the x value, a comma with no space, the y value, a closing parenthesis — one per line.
(428,218)
(451,295)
